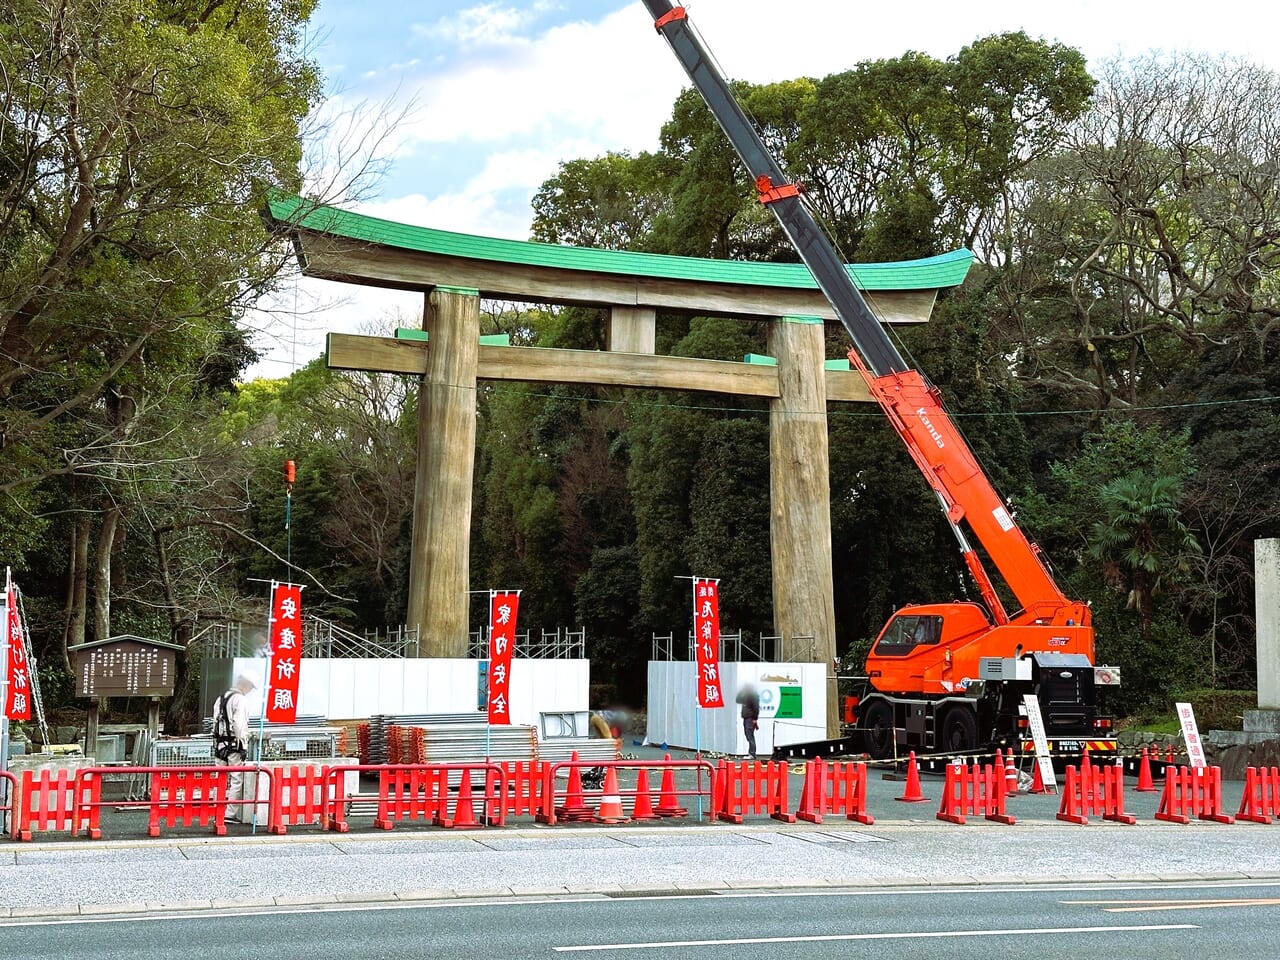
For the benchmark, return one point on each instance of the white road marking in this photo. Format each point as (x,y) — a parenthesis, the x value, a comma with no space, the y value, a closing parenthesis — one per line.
(916,935)
(1138,906)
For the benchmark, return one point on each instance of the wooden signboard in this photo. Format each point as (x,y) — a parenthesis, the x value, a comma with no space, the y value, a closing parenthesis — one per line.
(124,667)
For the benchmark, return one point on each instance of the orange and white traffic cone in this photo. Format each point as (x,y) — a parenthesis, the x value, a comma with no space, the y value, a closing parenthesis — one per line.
(1037,781)
(1145,782)
(610,802)
(464,813)
(911,793)
(1010,775)
(667,803)
(575,804)
(643,809)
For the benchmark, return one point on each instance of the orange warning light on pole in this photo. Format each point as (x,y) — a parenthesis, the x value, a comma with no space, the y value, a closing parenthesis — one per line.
(289,472)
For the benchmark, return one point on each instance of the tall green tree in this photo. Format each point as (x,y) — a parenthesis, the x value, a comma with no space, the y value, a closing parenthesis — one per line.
(139,139)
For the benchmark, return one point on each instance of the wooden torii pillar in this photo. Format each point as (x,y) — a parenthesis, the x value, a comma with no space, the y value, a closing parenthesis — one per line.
(440,552)
(800,495)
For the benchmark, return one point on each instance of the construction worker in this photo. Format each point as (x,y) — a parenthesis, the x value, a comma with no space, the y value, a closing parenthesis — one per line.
(231,737)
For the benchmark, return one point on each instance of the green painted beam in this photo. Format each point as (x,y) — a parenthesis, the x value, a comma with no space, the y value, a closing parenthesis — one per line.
(293,213)
(488,339)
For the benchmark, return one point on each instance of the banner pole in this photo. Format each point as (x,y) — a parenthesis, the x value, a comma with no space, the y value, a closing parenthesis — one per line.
(4,698)
(697,704)
(262,714)
(488,725)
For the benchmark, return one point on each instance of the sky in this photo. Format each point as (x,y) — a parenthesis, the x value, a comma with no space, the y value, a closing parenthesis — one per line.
(490,97)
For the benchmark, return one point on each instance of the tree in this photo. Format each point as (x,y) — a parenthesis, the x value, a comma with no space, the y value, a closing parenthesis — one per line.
(910,156)
(1151,236)
(610,202)
(1141,537)
(138,142)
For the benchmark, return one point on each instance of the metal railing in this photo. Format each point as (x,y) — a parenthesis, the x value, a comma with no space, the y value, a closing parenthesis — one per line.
(744,647)
(558,644)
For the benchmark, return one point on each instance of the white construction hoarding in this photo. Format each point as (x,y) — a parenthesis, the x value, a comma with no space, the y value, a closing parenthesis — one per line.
(793,706)
(344,689)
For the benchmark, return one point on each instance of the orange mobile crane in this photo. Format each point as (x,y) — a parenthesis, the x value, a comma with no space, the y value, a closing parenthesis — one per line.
(947,677)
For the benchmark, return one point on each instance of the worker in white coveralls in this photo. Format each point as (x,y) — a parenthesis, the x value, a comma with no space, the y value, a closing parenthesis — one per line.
(231,737)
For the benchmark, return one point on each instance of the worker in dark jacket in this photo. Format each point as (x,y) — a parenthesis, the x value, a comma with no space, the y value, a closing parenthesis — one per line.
(750,701)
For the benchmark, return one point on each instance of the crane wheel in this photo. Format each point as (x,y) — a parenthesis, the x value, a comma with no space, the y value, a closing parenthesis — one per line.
(959,731)
(878,724)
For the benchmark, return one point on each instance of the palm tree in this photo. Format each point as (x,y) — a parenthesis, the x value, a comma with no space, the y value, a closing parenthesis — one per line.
(1141,538)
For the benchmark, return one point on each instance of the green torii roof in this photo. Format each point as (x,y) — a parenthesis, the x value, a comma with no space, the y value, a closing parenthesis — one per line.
(292,212)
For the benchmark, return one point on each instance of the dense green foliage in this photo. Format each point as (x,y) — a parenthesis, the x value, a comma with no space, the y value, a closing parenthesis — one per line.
(1111,358)
(137,140)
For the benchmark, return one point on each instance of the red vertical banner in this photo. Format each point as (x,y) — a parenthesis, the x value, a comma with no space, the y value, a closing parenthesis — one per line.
(285,632)
(17,704)
(706,633)
(503,608)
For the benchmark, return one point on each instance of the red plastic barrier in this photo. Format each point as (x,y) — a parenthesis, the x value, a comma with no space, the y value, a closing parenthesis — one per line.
(298,795)
(1192,792)
(10,807)
(88,804)
(976,790)
(1261,799)
(525,785)
(839,787)
(751,787)
(411,793)
(47,802)
(1097,790)
(187,796)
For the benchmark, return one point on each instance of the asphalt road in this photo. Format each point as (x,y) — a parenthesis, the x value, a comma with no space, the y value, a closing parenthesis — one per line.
(1208,921)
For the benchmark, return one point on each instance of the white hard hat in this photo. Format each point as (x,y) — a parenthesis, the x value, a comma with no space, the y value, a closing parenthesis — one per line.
(249,677)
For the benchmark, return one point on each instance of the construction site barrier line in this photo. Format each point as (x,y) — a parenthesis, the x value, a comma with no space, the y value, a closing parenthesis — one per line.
(91,808)
(554,767)
(335,817)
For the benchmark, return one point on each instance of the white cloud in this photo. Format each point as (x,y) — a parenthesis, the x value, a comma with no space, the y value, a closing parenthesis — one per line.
(489,24)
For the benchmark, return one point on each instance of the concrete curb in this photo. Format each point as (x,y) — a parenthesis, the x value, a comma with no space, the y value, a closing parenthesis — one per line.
(90,911)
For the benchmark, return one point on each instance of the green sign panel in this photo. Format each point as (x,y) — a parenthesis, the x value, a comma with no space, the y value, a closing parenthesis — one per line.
(789,703)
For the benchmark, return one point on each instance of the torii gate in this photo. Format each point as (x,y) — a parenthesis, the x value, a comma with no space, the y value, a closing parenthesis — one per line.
(456,270)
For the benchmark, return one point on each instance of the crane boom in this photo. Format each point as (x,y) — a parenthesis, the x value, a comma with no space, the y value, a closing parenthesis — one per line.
(912,404)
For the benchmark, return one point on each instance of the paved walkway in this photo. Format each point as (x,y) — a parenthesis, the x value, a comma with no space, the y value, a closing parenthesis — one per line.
(83,878)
